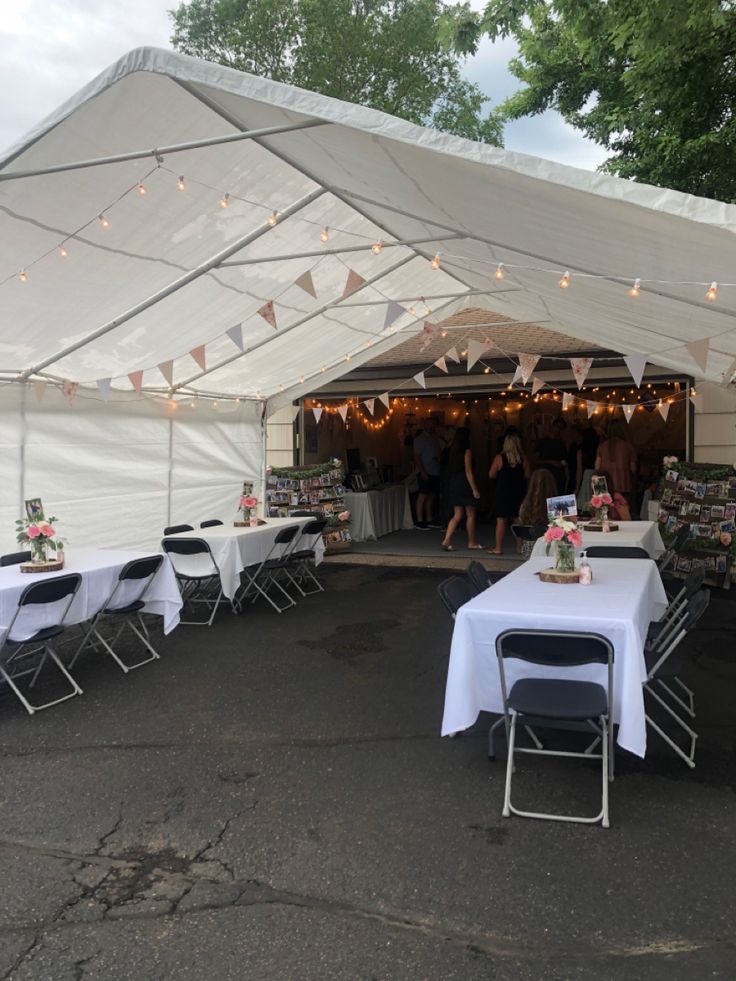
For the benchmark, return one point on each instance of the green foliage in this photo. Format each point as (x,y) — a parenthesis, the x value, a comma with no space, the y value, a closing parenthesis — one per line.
(306,473)
(652,81)
(385,54)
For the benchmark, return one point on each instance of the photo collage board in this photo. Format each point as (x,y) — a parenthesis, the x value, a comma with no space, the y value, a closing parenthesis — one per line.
(707,505)
(322,494)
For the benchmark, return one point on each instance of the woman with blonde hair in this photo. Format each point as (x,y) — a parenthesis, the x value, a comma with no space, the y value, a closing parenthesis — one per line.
(510,470)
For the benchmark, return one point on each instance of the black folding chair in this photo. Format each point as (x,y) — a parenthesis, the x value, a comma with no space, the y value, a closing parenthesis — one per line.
(261,577)
(616,552)
(674,548)
(480,578)
(558,703)
(210,523)
(455,592)
(299,568)
(140,573)
(19,645)
(177,529)
(15,558)
(197,574)
(526,536)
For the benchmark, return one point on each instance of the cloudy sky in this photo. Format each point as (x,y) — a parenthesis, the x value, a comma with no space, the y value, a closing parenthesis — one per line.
(51,48)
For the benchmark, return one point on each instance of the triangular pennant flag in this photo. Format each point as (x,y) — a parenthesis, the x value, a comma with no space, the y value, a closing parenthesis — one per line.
(636,363)
(384,398)
(475,349)
(167,370)
(517,375)
(441,364)
(537,383)
(343,410)
(369,404)
(453,355)
(103,387)
(317,414)
(698,351)
(664,409)
(306,283)
(198,354)
(69,388)
(580,369)
(39,387)
(295,410)
(268,313)
(236,335)
(628,411)
(136,380)
(419,379)
(729,373)
(527,363)
(428,332)
(591,407)
(393,312)
(352,283)
(567,399)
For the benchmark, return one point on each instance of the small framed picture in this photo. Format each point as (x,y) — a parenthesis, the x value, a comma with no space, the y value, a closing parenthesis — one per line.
(683,564)
(693,509)
(729,512)
(705,514)
(705,531)
(699,491)
(564,506)
(599,485)
(34,509)
(717,512)
(247,488)
(721,563)
(671,476)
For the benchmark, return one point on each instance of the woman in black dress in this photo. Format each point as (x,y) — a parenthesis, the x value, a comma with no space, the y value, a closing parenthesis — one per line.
(510,470)
(464,493)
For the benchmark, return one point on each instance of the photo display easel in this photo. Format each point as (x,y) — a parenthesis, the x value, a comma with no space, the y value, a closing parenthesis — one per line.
(319,489)
(703,497)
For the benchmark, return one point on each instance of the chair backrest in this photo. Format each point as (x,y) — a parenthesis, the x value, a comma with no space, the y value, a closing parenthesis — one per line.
(455,592)
(210,523)
(681,536)
(185,546)
(301,514)
(616,552)
(558,648)
(286,535)
(177,529)
(50,590)
(528,533)
(15,558)
(141,568)
(693,581)
(315,527)
(696,607)
(477,576)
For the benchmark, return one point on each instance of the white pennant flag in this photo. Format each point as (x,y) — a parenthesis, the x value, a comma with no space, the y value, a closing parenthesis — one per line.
(236,335)
(39,387)
(384,398)
(580,368)
(295,410)
(729,373)
(369,404)
(517,375)
(698,351)
(636,363)
(343,410)
(664,409)
(475,349)
(628,411)
(419,379)
(527,363)
(591,407)
(441,364)
(317,414)
(537,383)
(393,312)
(306,283)
(352,283)
(453,355)
(567,399)
(103,387)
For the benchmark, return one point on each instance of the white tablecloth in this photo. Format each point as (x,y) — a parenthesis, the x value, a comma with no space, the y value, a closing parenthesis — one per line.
(378,512)
(235,548)
(625,596)
(644,534)
(99,569)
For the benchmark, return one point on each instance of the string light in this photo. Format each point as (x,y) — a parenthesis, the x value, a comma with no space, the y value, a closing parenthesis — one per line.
(376,247)
(225,199)
(565,281)
(23,276)
(104,221)
(273,218)
(712,292)
(435,263)
(180,183)
(142,189)
(500,271)
(325,234)
(62,251)
(636,288)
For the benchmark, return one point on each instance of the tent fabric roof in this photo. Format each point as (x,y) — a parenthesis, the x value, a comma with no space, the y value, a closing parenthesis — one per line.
(149,289)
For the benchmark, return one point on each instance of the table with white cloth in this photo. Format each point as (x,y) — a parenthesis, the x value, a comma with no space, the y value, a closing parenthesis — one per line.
(644,534)
(378,512)
(235,548)
(624,597)
(99,569)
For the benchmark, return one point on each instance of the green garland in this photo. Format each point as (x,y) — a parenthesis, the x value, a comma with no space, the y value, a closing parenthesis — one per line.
(305,473)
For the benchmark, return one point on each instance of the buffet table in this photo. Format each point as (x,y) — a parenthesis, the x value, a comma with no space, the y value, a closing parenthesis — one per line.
(378,512)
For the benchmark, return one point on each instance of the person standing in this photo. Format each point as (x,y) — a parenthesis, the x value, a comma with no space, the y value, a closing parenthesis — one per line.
(618,458)
(511,470)
(427,461)
(464,493)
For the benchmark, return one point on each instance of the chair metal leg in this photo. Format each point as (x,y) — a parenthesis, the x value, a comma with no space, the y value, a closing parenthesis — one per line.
(29,706)
(689,758)
(605,774)
(506,812)
(689,693)
(676,698)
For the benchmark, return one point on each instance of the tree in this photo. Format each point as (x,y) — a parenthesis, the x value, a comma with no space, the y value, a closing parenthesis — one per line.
(653,81)
(380,53)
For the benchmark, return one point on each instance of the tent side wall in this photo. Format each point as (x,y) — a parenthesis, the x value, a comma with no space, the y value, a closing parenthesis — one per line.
(715,424)
(116,473)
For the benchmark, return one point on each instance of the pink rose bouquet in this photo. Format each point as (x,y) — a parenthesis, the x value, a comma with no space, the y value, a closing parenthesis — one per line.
(564,535)
(40,535)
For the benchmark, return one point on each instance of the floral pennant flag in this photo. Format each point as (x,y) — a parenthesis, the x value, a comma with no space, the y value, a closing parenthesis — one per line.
(698,351)
(384,398)
(475,350)
(353,282)
(236,335)
(69,388)
(591,407)
(167,370)
(428,332)
(343,410)
(517,375)
(628,411)
(580,368)
(103,387)
(393,312)
(269,314)
(537,383)
(369,404)
(636,363)
(441,363)
(317,414)
(198,354)
(39,387)
(664,409)
(419,379)
(527,363)
(136,380)
(306,283)
(567,399)
(453,355)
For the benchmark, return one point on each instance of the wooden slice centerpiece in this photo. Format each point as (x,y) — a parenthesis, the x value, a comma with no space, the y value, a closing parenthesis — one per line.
(48,565)
(247,524)
(558,576)
(597,526)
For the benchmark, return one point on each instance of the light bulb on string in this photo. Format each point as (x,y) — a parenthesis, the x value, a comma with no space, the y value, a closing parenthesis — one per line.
(435,263)
(486,371)
(636,288)
(225,199)
(62,251)
(565,281)
(500,271)
(712,293)
(104,221)
(376,247)
(273,218)
(325,234)
(23,276)
(141,188)
(180,183)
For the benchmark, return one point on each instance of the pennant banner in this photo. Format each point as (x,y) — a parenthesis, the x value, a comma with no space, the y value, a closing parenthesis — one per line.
(591,407)
(369,404)
(698,351)
(537,383)
(69,388)
(527,363)
(580,368)
(343,410)
(419,379)
(517,375)
(198,354)
(167,370)
(306,283)
(384,397)
(393,312)
(636,363)
(236,335)
(729,373)
(317,414)
(441,364)
(628,411)
(103,387)
(453,355)
(567,399)
(475,350)
(39,387)
(664,409)
(136,380)
(268,313)
(352,283)
(428,332)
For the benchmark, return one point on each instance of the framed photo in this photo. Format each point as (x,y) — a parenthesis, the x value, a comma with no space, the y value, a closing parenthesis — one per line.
(248,488)
(705,531)
(34,509)
(693,509)
(721,563)
(717,512)
(599,485)
(729,512)
(699,491)
(683,564)
(671,476)
(564,506)
(705,514)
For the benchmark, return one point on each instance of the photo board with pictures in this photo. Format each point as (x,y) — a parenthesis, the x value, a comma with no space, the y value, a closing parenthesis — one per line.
(703,497)
(319,489)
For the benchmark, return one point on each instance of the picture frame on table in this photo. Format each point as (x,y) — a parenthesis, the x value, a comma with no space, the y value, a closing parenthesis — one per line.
(562,506)
(598,485)
(34,509)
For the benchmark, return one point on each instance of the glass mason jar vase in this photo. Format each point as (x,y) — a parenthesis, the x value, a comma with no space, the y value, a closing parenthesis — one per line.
(38,549)
(565,557)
